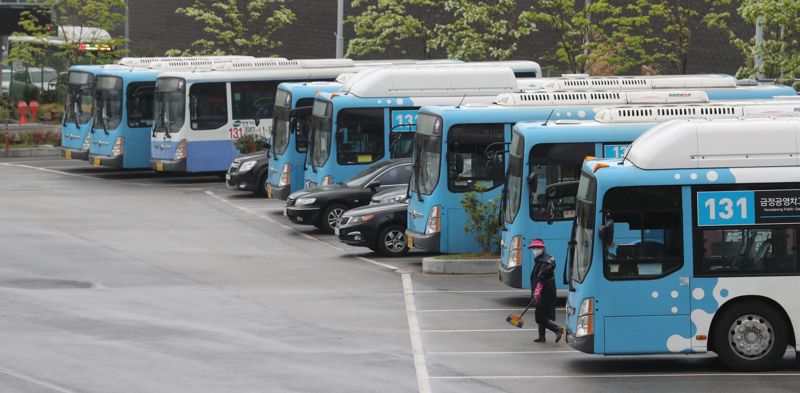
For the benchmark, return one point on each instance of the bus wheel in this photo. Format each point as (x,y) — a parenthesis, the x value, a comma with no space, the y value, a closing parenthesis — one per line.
(750,336)
(330,217)
(391,242)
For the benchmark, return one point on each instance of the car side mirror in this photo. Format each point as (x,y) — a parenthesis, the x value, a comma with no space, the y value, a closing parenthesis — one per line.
(374,185)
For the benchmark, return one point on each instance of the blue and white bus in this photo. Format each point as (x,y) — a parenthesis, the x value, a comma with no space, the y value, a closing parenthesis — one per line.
(690,244)
(200,115)
(458,149)
(373,118)
(123,111)
(544,165)
(75,139)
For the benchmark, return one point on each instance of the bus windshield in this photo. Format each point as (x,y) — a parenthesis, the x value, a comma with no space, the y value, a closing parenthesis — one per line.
(79,98)
(170,107)
(280,122)
(552,163)
(321,130)
(475,157)
(427,154)
(583,232)
(139,102)
(513,194)
(108,103)
(359,136)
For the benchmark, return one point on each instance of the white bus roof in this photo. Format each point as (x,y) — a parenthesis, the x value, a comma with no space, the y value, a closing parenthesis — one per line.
(653,113)
(550,98)
(148,61)
(584,83)
(721,143)
(431,82)
(272,63)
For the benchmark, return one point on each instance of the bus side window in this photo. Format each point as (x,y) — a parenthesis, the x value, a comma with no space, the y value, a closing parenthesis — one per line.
(647,236)
(751,250)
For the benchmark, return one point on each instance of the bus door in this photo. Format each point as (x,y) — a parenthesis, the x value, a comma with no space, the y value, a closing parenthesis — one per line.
(644,301)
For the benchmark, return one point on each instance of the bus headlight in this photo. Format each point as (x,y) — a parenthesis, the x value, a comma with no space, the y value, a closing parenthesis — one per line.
(116,150)
(434,221)
(286,176)
(515,252)
(326,181)
(180,151)
(87,141)
(248,165)
(305,201)
(585,324)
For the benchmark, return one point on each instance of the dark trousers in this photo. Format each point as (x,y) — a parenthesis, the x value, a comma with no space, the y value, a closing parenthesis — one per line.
(545,317)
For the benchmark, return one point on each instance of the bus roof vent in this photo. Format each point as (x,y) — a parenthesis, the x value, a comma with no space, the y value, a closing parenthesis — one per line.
(208,63)
(146,61)
(644,114)
(548,98)
(268,63)
(720,143)
(640,82)
(431,81)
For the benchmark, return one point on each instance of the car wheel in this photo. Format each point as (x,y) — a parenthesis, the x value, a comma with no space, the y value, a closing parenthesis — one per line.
(262,186)
(330,217)
(750,336)
(392,241)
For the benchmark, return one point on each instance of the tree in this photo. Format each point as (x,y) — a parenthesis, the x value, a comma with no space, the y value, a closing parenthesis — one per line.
(237,27)
(482,222)
(74,22)
(385,24)
(779,49)
(582,44)
(482,30)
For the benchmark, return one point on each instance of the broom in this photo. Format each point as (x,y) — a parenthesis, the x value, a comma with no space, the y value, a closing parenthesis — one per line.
(516,320)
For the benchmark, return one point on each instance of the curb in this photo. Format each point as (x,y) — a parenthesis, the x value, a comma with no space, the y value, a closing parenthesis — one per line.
(459,266)
(33,152)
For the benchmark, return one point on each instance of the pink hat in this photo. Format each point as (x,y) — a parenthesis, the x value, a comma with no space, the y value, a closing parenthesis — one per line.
(536,243)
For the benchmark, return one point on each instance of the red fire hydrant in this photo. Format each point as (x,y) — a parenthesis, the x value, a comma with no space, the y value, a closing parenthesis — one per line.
(22,106)
(34,110)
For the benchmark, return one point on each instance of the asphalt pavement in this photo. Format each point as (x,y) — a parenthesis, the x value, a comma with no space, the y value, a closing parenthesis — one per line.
(132,281)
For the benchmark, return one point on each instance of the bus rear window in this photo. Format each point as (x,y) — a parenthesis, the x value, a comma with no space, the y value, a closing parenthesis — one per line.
(475,156)
(552,163)
(248,97)
(140,103)
(359,136)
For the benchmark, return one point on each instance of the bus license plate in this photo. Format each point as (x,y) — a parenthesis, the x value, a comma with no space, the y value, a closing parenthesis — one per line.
(68,155)
(160,166)
(96,162)
(410,241)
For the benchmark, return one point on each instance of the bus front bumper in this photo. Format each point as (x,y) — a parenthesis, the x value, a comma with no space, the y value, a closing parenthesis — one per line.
(74,154)
(422,241)
(275,192)
(584,344)
(169,165)
(511,277)
(109,161)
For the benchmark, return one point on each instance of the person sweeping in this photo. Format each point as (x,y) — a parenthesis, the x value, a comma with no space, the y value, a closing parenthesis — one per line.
(543,291)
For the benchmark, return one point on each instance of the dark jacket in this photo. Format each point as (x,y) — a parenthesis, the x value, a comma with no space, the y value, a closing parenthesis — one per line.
(544,272)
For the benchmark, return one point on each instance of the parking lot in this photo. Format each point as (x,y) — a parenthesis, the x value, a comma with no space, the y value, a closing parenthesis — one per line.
(132,281)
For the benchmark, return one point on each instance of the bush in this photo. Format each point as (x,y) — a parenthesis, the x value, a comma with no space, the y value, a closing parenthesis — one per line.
(30,93)
(251,143)
(482,222)
(51,113)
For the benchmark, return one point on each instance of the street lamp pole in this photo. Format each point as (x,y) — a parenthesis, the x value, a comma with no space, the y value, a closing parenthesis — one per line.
(340,30)
(127,29)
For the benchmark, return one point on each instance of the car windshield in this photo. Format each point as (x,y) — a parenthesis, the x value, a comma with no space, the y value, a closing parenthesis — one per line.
(361,178)
(170,107)
(80,97)
(108,103)
(475,157)
(512,196)
(584,227)
(427,155)
(42,77)
(321,119)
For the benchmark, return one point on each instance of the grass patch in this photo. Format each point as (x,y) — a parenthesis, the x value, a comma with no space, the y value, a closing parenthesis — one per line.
(471,255)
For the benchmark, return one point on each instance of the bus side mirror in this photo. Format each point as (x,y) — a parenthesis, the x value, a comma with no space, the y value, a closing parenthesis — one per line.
(606,233)
(533,183)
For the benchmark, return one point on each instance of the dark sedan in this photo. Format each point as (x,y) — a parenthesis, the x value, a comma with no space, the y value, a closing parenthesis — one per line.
(249,173)
(324,206)
(381,226)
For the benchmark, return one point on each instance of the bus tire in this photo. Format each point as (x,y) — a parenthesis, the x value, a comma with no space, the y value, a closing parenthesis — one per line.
(391,241)
(750,336)
(326,220)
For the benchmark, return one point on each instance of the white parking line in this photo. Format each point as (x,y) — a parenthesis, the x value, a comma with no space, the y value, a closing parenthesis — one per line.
(34,381)
(561,352)
(621,376)
(420,364)
(470,309)
(474,330)
(521,291)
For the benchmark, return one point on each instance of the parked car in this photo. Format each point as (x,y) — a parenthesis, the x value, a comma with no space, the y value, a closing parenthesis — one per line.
(249,173)
(381,226)
(324,206)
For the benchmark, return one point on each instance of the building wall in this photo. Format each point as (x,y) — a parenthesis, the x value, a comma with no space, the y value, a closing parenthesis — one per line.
(155,28)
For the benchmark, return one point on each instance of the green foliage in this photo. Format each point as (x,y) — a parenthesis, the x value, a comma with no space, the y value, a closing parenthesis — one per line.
(236,27)
(86,15)
(780,22)
(250,143)
(392,24)
(482,222)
